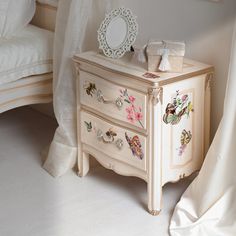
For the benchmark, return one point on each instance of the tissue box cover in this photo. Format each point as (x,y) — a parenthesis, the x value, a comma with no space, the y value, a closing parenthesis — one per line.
(176,51)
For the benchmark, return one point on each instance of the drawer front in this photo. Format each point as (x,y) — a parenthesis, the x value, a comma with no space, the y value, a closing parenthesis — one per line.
(113,100)
(118,143)
(183,127)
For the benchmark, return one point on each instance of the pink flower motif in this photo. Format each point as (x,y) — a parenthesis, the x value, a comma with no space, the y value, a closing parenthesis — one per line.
(131,99)
(129,110)
(180,152)
(130,118)
(182,149)
(184,98)
(138,116)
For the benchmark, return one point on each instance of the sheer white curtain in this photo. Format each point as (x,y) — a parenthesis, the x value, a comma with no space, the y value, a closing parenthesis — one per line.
(75,31)
(208,207)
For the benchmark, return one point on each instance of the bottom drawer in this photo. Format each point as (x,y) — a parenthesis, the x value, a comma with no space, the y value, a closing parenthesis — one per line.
(118,143)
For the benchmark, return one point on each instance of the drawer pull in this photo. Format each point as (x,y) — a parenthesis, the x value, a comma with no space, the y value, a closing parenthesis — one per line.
(108,137)
(118,102)
(119,143)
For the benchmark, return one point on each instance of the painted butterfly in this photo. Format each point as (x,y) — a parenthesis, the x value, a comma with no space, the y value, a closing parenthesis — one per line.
(186,137)
(88,126)
(135,146)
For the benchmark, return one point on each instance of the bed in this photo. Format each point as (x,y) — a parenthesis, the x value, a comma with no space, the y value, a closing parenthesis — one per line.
(26,62)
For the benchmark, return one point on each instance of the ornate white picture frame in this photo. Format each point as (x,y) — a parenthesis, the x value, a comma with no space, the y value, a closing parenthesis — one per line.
(117,32)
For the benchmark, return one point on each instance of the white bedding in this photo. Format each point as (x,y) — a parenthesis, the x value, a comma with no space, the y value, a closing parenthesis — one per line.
(15,15)
(30,52)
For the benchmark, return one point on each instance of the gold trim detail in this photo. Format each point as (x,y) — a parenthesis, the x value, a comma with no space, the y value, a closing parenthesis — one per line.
(154,212)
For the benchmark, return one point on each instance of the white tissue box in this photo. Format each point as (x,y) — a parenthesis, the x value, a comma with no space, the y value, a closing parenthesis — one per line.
(175,51)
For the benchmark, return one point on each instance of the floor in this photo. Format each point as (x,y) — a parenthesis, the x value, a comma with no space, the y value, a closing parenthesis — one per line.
(32,203)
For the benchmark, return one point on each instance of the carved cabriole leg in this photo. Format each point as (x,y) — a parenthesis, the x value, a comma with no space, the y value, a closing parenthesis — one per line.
(154,166)
(207,109)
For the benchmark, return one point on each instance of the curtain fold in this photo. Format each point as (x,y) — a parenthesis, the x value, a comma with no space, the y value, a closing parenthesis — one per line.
(208,207)
(76,31)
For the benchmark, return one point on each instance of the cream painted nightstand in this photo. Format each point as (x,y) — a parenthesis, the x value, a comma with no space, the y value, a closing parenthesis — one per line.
(154,126)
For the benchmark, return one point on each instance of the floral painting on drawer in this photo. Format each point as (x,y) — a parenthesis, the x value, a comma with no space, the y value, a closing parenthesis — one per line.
(90,89)
(181,105)
(124,100)
(134,112)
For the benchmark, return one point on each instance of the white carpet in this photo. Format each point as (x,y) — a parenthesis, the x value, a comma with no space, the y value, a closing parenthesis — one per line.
(32,203)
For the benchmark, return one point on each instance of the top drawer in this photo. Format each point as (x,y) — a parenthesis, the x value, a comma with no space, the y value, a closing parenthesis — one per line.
(113,100)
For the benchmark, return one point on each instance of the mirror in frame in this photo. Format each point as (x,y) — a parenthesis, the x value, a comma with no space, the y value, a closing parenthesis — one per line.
(117,32)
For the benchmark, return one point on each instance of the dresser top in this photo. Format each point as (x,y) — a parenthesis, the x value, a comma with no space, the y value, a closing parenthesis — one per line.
(126,66)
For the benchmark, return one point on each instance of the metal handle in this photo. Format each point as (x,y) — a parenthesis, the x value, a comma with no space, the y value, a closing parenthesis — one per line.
(109,138)
(118,102)
(119,143)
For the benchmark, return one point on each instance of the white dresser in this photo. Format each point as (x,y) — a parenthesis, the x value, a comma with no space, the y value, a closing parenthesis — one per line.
(154,126)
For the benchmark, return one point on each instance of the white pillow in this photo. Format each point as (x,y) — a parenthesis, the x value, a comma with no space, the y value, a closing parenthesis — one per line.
(14,15)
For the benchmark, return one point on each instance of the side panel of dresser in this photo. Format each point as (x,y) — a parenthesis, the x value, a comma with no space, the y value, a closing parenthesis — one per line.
(185,127)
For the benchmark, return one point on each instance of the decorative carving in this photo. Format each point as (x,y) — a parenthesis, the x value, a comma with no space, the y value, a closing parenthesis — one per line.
(181,176)
(208,80)
(157,95)
(77,69)
(111,166)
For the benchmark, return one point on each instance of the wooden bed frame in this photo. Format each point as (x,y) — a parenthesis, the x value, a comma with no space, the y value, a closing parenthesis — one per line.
(33,89)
